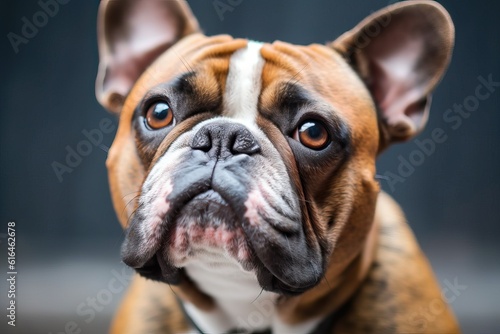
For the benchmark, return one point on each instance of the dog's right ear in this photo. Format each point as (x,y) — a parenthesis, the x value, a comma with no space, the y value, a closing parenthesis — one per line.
(131,35)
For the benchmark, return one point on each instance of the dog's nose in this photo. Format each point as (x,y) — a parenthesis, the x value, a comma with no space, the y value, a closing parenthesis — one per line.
(221,140)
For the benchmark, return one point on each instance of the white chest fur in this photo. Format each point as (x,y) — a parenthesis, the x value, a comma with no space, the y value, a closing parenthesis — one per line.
(241,303)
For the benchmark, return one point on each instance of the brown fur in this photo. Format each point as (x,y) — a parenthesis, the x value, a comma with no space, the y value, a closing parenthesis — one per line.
(378,280)
(351,274)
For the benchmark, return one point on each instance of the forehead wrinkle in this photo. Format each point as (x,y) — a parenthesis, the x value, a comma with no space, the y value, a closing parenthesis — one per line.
(179,85)
(192,50)
(328,77)
(293,99)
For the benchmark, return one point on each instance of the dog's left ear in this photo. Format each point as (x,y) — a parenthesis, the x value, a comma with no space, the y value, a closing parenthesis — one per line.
(401,53)
(131,35)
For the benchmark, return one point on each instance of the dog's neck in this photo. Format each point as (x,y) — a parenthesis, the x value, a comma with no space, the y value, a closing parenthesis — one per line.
(242,304)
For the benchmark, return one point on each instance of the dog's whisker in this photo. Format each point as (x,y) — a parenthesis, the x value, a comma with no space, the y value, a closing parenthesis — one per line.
(131,216)
(173,291)
(104,148)
(133,192)
(260,293)
(128,203)
(381,177)
(305,201)
(184,62)
(295,76)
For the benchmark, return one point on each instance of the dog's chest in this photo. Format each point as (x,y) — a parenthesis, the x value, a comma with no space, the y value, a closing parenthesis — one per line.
(241,303)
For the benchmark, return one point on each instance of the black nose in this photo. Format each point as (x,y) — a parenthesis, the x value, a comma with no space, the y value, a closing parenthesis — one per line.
(222,140)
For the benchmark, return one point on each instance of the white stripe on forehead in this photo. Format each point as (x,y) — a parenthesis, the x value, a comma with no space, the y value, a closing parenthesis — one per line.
(244,82)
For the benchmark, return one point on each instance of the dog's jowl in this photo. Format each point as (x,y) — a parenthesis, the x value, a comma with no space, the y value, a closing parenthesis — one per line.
(243,172)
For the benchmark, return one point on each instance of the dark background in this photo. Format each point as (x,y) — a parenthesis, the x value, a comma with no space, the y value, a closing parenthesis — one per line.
(68,237)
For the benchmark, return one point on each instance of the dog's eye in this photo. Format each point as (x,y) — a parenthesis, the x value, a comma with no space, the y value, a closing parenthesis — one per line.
(312,134)
(159,115)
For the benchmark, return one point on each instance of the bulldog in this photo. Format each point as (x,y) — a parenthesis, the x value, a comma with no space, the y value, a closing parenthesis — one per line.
(244,173)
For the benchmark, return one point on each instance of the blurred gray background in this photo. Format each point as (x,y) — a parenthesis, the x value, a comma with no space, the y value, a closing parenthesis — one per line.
(68,237)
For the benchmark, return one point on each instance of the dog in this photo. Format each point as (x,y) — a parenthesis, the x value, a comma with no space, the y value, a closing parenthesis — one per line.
(243,173)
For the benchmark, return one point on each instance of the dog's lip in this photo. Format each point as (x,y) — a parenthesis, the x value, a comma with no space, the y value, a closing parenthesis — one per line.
(222,215)
(136,252)
(209,195)
(170,223)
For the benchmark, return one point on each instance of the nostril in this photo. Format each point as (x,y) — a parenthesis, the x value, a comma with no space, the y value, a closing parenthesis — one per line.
(245,144)
(223,140)
(202,141)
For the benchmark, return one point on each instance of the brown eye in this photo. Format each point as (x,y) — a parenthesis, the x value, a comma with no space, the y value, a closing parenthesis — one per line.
(159,115)
(312,134)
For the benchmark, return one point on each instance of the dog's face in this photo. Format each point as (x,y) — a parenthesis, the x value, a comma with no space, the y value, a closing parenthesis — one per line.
(249,165)
(263,152)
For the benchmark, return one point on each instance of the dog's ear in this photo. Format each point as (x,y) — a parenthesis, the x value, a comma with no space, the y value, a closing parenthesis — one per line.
(401,53)
(131,35)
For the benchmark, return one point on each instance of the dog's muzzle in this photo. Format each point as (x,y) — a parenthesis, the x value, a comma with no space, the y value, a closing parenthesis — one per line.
(224,187)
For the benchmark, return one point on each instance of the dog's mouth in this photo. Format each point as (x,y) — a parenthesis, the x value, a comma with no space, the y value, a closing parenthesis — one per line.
(194,221)
(208,221)
(213,216)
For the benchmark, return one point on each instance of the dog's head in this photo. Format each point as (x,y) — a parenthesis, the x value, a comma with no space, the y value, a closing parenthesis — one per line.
(263,151)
